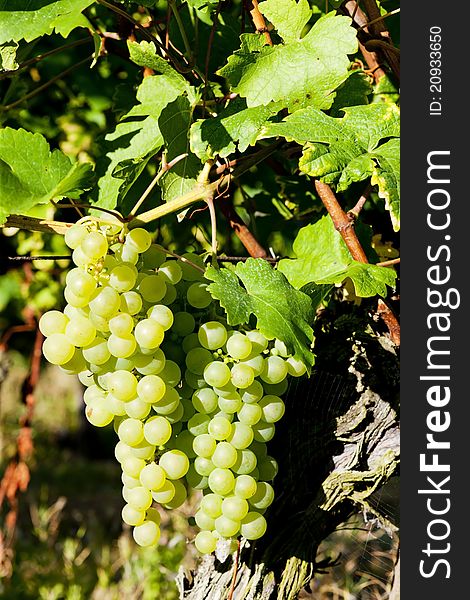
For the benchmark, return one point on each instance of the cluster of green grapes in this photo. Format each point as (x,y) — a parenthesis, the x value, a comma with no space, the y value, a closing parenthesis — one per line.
(192,401)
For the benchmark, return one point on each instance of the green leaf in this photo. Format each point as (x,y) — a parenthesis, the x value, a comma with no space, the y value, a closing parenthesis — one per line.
(288,16)
(144,54)
(237,127)
(323,258)
(280,310)
(8,56)
(175,122)
(350,149)
(136,141)
(30,19)
(304,72)
(353,92)
(31,174)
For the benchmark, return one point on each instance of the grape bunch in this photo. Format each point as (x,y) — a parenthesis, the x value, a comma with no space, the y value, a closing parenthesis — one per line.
(192,400)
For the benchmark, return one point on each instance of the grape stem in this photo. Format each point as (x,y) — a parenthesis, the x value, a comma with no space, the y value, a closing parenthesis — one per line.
(235,571)
(182,258)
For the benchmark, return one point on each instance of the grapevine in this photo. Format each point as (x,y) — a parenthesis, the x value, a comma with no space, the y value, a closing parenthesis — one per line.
(193,401)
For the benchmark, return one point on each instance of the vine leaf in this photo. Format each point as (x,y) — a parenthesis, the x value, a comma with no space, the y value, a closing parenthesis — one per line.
(302,72)
(30,19)
(30,174)
(324,258)
(145,54)
(288,17)
(341,151)
(237,127)
(136,140)
(175,122)
(281,311)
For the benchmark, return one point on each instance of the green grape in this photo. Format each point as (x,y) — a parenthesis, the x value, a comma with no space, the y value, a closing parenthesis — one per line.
(211,504)
(152,288)
(147,534)
(74,236)
(245,486)
(80,283)
(275,370)
(195,480)
(268,468)
(121,325)
(226,527)
(153,515)
(179,497)
(216,374)
(97,351)
(53,321)
(263,432)
(175,464)
(197,359)
(184,442)
(123,277)
(205,542)
(198,296)
(100,323)
(205,400)
(171,271)
(152,476)
(183,324)
(143,450)
(149,364)
(246,463)
(162,314)
(250,414)
(256,363)
(74,300)
(137,408)
(239,346)
(176,415)
(75,364)
(295,367)
(80,258)
(219,428)
(273,408)
(115,406)
(196,382)
(204,521)
(121,347)
(260,449)
(128,481)
(139,239)
(94,245)
(170,295)
(168,403)
(252,393)
(224,456)
(204,445)
(199,423)
(149,333)
(125,253)
(132,516)
(151,388)
(276,389)
(130,302)
(132,465)
(139,497)
(188,409)
(235,508)
(226,391)
(105,303)
(258,341)
(212,335)
(98,416)
(171,373)
(80,331)
(57,349)
(263,497)
(221,481)
(157,430)
(122,384)
(86,378)
(166,493)
(203,466)
(189,342)
(131,432)
(241,435)
(253,526)
(153,257)
(230,404)
(188,270)
(242,375)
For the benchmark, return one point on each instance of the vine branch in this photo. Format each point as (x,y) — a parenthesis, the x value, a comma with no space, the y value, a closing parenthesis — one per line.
(345,226)
(258,20)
